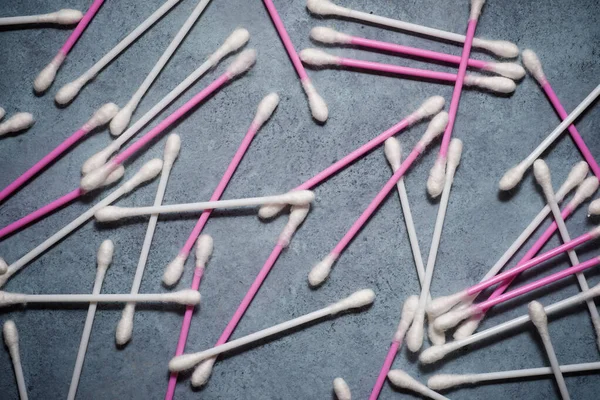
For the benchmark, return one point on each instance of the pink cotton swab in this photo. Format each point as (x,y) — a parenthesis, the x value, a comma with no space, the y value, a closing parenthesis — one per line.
(318,107)
(320,58)
(46,77)
(100,117)
(330,36)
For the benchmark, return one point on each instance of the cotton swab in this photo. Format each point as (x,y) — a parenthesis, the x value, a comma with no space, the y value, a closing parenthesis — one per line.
(540,320)
(408,313)
(11,339)
(185,297)
(357,300)
(534,66)
(100,117)
(544,179)
(594,208)
(330,36)
(148,171)
(114,213)
(320,58)
(341,389)
(61,17)
(403,380)
(500,48)
(436,353)
(16,123)
(46,76)
(431,106)
(265,109)
(446,381)
(236,40)
(122,118)
(414,337)
(241,64)
(68,92)
(125,326)
(318,107)
(321,270)
(104,259)
(513,176)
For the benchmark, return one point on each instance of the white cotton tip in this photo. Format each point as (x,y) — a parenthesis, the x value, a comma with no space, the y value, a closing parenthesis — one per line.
(102,116)
(125,326)
(594,207)
(297,216)
(436,337)
(330,36)
(318,57)
(402,380)
(3,266)
(174,270)
(533,65)
(538,316)
(67,16)
(110,214)
(454,153)
(298,197)
(508,70)
(242,63)
(2,112)
(437,175)
(183,362)
(16,123)
(446,381)
(235,41)
(46,76)
(325,7)
(121,120)
(512,177)
(11,334)
(434,129)
(265,109)
(8,298)
(321,271)
(114,176)
(172,147)
(467,328)
(318,107)
(431,106)
(408,313)
(440,305)
(542,175)
(341,389)
(476,6)
(204,249)
(69,91)
(187,297)
(452,318)
(575,177)
(496,84)
(202,372)
(393,153)
(355,300)
(105,254)
(414,336)
(97,160)
(501,48)
(586,190)
(269,211)
(435,353)
(149,171)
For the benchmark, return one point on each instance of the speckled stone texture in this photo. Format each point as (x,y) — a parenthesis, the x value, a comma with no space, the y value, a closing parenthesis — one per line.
(497,132)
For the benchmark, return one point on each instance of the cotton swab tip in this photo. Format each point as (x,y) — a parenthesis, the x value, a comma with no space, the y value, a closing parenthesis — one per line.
(125,326)
(575,177)
(174,270)
(242,63)
(2,112)
(269,211)
(46,76)
(318,57)
(11,334)
(237,39)
(183,362)
(204,249)
(414,336)
(512,177)
(434,353)
(594,207)
(121,120)
(446,381)
(172,147)
(318,107)
(533,65)
(102,116)
(330,36)
(187,297)
(355,300)
(501,48)
(393,152)
(435,128)
(265,109)
(440,305)
(496,84)
(435,337)
(542,175)
(452,318)
(114,176)
(435,182)
(69,91)
(401,379)
(202,373)
(431,106)
(509,70)
(324,7)
(67,16)
(105,254)
(298,197)
(454,153)
(321,271)
(476,6)
(3,266)
(467,328)
(16,123)
(297,216)
(110,214)
(408,313)
(586,190)
(341,389)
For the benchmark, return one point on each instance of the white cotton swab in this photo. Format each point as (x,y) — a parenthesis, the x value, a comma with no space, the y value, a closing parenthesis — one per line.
(125,325)
(341,389)
(405,381)
(11,338)
(356,300)
(61,17)
(325,7)
(103,259)
(68,92)
(148,172)
(114,213)
(16,123)
(540,320)
(513,176)
(414,337)
(121,120)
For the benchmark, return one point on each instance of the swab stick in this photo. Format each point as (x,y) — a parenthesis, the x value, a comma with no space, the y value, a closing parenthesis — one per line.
(100,117)
(330,36)
(114,213)
(500,48)
(241,64)
(513,176)
(121,120)
(341,389)
(69,91)
(11,339)
(47,75)
(16,123)
(430,107)
(104,259)
(403,380)
(61,17)
(321,270)
(237,39)
(436,353)
(148,172)
(534,66)
(318,107)
(356,300)
(540,320)
(264,111)
(320,58)
(125,326)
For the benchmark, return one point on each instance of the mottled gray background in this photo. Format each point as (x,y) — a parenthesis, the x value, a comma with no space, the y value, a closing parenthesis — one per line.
(497,132)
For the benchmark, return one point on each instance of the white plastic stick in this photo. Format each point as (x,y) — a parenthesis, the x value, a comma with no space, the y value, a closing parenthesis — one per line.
(186,297)
(60,17)
(11,338)
(69,91)
(356,300)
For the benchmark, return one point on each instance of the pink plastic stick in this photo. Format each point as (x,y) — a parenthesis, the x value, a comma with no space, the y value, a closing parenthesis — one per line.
(78,31)
(585,151)
(387,365)
(396,69)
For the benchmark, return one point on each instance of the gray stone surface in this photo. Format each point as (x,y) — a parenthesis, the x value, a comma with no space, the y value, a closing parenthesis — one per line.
(497,132)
